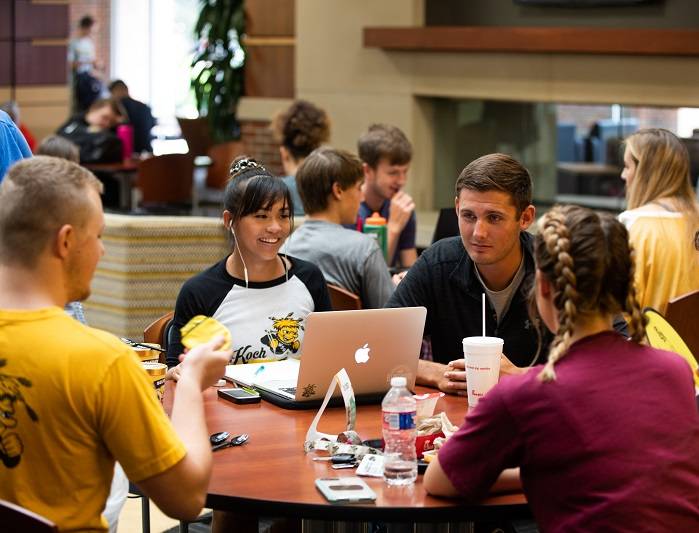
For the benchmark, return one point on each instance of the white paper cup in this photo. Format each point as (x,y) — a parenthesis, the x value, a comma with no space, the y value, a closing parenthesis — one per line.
(482,356)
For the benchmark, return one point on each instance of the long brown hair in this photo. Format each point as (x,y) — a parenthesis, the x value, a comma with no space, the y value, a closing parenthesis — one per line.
(589,261)
(662,171)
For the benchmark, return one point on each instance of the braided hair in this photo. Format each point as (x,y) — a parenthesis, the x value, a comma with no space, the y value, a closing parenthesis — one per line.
(589,261)
(556,240)
(620,276)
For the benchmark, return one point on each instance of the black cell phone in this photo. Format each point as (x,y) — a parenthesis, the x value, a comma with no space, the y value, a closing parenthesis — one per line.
(374,443)
(343,458)
(238,395)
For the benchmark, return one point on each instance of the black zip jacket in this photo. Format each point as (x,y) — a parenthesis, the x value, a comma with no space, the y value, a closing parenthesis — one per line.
(444,281)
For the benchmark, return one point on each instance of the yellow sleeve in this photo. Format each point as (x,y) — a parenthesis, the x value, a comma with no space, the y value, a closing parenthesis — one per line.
(133,424)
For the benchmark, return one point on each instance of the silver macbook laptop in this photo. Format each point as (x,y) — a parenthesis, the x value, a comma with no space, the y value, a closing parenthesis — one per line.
(372,345)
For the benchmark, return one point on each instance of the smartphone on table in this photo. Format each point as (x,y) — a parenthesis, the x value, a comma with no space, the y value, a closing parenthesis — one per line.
(238,395)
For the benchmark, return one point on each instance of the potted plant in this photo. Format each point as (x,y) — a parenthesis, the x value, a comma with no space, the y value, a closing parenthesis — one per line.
(217,66)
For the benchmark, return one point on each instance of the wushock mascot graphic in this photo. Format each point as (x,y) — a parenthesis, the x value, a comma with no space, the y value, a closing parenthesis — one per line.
(284,335)
(11,446)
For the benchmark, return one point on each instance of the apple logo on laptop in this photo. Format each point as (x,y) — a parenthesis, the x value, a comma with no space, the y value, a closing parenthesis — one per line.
(362,354)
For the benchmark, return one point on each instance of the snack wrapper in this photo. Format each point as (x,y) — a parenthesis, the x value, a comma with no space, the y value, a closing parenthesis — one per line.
(432,432)
(201,329)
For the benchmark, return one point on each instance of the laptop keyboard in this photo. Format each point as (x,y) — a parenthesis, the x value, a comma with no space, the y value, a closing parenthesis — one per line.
(288,390)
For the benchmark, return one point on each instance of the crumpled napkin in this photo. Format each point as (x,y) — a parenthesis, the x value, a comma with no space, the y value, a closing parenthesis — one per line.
(435,424)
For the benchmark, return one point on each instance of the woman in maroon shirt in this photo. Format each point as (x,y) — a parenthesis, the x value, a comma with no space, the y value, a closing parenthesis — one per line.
(606,435)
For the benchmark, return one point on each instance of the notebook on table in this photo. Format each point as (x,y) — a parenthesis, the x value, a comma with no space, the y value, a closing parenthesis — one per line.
(372,345)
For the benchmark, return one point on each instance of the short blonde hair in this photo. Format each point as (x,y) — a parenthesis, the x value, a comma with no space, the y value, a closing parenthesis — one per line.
(37,197)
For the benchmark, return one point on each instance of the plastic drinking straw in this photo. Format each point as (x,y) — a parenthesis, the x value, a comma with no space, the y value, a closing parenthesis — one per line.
(484,314)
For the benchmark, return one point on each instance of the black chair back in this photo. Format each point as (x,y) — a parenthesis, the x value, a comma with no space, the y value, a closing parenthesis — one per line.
(16,518)
(447,224)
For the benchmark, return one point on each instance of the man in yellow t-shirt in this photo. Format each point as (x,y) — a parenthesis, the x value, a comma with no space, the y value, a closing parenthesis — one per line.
(74,399)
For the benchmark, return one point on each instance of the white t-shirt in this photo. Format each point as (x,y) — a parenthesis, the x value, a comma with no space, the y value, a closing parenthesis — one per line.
(266,319)
(500,300)
(82,51)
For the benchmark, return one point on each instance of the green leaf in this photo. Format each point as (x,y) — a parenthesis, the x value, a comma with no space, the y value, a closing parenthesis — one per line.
(216,83)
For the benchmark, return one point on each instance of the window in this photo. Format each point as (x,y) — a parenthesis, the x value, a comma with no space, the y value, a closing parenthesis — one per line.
(152,45)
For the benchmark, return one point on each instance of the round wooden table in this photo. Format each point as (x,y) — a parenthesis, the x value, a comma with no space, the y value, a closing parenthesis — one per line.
(272,476)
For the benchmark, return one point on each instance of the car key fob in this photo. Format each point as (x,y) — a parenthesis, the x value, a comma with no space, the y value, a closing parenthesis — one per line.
(218,438)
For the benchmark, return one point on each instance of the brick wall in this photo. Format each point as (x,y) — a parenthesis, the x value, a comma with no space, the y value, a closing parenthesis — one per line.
(258,142)
(584,116)
(100,11)
(655,117)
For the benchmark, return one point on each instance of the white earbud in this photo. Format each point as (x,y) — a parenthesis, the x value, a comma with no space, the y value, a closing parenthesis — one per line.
(245,268)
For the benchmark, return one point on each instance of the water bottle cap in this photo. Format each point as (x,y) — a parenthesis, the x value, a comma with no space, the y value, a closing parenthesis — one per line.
(375,220)
(398,381)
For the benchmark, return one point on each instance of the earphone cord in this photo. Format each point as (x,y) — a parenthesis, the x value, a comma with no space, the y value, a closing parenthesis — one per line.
(282,258)
(237,248)
(245,268)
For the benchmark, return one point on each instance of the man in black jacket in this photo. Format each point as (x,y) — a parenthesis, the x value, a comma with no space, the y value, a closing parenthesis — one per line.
(493,255)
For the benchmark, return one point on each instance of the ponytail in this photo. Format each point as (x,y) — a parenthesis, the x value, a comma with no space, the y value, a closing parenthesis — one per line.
(637,320)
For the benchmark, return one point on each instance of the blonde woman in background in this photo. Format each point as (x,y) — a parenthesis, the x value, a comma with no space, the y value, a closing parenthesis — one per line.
(299,130)
(662,216)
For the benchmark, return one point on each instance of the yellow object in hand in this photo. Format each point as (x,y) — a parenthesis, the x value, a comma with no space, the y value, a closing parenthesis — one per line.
(201,329)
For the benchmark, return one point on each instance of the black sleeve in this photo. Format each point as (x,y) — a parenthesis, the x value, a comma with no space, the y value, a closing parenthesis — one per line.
(321,297)
(200,295)
(313,279)
(150,120)
(186,307)
(414,290)
(319,290)
(76,123)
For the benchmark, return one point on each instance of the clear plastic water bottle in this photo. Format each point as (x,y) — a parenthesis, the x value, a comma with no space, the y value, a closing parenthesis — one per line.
(398,413)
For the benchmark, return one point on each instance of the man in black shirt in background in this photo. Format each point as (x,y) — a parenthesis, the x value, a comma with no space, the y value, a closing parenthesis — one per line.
(139,114)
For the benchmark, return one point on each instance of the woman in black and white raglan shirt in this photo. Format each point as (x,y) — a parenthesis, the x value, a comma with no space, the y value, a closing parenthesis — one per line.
(261,296)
